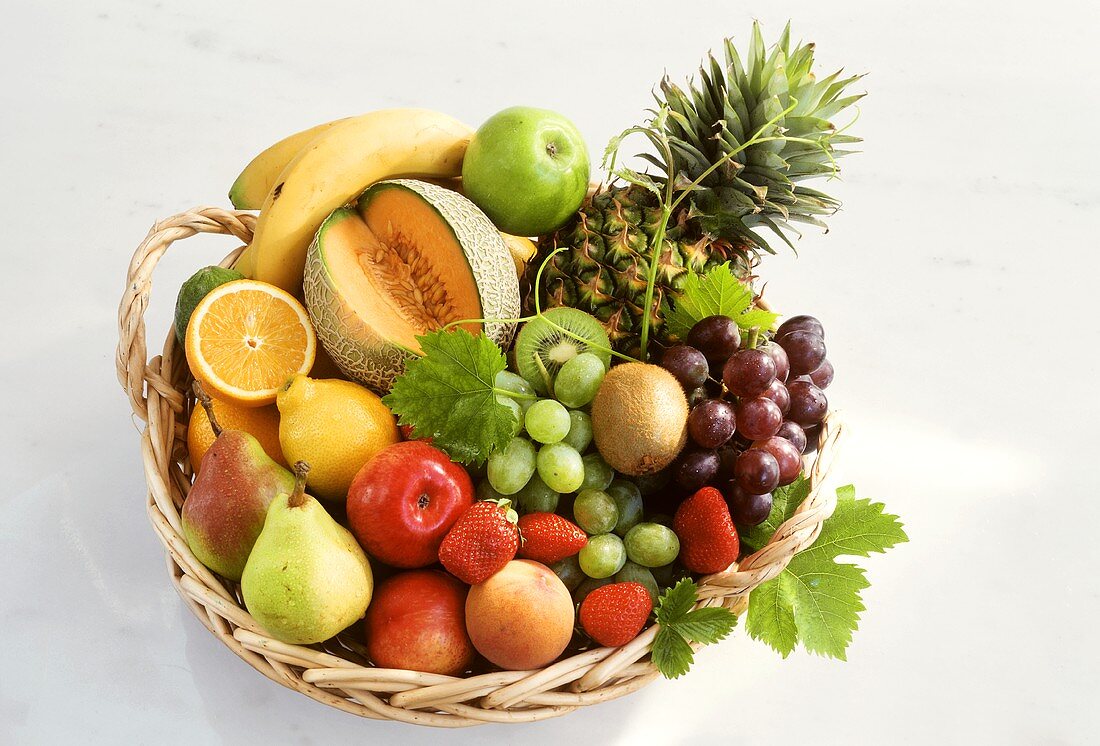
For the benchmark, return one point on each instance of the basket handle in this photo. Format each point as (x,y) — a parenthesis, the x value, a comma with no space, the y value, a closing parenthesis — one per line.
(135,370)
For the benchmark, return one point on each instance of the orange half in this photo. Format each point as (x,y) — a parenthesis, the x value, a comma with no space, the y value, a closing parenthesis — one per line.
(246,338)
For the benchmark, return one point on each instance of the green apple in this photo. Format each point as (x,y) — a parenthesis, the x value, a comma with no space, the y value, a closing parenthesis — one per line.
(527,169)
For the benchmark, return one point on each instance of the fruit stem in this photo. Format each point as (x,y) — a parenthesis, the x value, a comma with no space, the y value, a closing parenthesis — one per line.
(754,338)
(298,497)
(207,404)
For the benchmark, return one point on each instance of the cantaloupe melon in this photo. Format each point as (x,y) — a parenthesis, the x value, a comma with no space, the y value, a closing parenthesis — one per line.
(407,257)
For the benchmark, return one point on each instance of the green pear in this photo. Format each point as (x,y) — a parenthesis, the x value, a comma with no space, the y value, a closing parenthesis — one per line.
(225,509)
(307,579)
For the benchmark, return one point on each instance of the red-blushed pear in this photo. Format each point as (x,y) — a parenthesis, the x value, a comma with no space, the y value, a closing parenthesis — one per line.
(226,507)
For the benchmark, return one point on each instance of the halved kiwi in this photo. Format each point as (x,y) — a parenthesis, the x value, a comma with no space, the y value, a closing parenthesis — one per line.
(541,349)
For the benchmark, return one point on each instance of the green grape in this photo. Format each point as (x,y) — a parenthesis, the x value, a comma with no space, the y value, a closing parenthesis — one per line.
(536,497)
(560,467)
(569,572)
(602,556)
(509,381)
(587,586)
(547,421)
(578,380)
(580,430)
(628,499)
(595,512)
(651,544)
(632,572)
(597,474)
(485,491)
(511,467)
(517,412)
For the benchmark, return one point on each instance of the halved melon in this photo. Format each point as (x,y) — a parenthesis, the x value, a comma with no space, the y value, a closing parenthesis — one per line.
(406,258)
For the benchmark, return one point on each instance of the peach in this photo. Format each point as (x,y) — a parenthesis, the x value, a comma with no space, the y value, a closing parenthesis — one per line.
(521,617)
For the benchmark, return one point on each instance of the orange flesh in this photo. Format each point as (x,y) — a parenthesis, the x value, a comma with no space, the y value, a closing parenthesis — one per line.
(252,340)
(409,272)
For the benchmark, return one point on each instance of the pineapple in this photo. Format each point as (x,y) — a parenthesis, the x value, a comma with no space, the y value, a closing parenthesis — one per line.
(604,267)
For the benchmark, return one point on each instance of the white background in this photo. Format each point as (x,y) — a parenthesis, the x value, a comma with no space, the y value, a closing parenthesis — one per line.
(957,287)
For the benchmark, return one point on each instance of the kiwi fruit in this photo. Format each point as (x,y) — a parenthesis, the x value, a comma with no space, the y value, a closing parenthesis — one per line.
(541,348)
(652,401)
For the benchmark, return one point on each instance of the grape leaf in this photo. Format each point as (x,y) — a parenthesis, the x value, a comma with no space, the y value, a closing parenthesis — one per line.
(816,600)
(681,625)
(449,395)
(718,292)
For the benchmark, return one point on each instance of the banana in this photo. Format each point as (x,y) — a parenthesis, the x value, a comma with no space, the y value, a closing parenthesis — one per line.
(254,184)
(334,168)
(522,250)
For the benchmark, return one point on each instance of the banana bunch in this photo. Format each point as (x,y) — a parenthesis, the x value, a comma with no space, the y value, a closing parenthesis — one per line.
(299,180)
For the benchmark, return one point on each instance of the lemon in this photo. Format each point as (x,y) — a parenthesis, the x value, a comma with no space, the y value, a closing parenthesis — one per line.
(334,426)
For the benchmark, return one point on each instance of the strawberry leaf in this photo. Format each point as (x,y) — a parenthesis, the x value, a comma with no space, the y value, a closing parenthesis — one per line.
(449,395)
(681,625)
(671,653)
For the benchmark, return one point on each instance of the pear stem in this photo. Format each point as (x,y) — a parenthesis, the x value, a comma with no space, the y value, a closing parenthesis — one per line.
(207,404)
(298,498)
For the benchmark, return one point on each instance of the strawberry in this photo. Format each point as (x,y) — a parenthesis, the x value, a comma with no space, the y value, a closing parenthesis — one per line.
(708,538)
(547,537)
(482,541)
(613,615)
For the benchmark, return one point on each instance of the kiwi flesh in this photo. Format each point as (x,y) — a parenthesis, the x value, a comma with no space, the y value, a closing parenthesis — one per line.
(541,348)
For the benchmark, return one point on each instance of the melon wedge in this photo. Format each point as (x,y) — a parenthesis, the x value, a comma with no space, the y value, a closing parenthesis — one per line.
(406,258)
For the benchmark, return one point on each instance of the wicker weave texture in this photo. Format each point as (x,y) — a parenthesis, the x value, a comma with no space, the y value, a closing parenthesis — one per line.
(337,673)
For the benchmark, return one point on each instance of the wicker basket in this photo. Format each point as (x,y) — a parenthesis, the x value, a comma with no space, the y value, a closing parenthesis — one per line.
(337,672)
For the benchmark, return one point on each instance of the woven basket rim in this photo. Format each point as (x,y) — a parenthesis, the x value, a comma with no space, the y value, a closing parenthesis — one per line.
(159,393)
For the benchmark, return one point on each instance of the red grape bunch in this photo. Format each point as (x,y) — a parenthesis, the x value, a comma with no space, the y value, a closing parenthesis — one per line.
(754,410)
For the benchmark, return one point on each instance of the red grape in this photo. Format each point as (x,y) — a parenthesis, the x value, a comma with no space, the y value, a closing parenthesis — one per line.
(758,418)
(711,423)
(687,365)
(695,469)
(801,323)
(717,337)
(805,350)
(779,355)
(727,459)
(786,455)
(748,509)
(749,372)
(697,396)
(793,432)
(778,393)
(823,375)
(757,471)
(808,404)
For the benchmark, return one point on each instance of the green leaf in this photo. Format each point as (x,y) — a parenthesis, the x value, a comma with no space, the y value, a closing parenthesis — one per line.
(449,395)
(671,653)
(680,625)
(676,602)
(816,600)
(708,625)
(718,292)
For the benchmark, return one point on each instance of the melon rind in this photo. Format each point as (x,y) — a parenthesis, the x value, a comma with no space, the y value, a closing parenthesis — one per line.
(356,346)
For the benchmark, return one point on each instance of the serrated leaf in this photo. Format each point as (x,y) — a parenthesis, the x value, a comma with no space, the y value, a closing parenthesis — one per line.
(716,292)
(671,653)
(676,602)
(707,625)
(771,616)
(818,594)
(449,395)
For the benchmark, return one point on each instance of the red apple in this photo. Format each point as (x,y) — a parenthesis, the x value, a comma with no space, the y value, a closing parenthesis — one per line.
(404,501)
(416,621)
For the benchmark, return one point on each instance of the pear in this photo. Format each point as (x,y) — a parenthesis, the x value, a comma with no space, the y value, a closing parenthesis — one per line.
(307,579)
(225,509)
